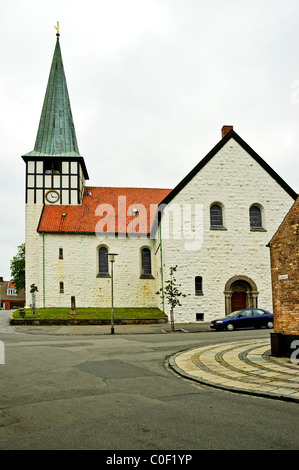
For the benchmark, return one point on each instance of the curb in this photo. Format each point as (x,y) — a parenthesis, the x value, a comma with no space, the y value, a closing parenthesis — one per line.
(86,321)
(182,373)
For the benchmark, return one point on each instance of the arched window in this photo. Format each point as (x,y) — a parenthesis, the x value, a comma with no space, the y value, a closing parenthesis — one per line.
(198,285)
(146,265)
(255,217)
(216,216)
(103,260)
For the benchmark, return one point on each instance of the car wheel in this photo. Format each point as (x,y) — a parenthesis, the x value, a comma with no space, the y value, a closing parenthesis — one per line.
(270,324)
(230,327)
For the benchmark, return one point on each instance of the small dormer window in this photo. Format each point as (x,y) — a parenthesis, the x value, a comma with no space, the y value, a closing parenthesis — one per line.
(11,291)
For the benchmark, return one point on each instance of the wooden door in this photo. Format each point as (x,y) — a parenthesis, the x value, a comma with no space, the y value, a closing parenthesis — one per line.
(238,301)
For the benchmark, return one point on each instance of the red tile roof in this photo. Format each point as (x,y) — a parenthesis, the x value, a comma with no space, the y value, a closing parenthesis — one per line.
(105,210)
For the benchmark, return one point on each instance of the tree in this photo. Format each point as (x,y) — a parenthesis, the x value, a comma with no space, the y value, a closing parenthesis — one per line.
(17,268)
(172,294)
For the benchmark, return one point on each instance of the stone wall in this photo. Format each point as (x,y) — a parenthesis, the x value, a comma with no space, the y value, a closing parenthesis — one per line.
(233,179)
(79,271)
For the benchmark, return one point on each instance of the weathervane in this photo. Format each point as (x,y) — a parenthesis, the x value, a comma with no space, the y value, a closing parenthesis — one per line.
(57,29)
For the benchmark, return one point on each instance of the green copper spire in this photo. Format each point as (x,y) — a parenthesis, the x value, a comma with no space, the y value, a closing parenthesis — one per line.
(56,132)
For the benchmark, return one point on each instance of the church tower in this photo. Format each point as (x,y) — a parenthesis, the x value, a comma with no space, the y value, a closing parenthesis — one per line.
(55,170)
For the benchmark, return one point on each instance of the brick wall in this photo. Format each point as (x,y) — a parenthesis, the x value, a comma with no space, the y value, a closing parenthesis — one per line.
(284,249)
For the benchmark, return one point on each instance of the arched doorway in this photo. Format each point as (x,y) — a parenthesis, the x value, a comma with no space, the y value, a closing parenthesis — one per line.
(240,292)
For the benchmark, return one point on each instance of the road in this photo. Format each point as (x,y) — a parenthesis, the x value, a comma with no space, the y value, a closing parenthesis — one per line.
(116,392)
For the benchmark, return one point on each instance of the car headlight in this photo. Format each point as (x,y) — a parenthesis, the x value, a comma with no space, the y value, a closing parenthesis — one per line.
(219,322)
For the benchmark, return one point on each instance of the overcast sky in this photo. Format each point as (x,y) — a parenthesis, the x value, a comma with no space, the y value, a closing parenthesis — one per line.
(151,83)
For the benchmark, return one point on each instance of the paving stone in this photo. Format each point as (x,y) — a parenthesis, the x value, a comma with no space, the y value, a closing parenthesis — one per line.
(241,367)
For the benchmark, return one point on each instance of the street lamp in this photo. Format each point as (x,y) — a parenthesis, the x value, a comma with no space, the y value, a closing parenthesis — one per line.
(112,259)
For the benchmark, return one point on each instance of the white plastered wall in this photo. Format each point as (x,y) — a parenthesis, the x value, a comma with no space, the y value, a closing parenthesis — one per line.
(236,181)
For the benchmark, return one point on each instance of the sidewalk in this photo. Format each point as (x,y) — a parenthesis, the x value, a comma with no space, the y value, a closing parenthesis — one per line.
(106,329)
(241,367)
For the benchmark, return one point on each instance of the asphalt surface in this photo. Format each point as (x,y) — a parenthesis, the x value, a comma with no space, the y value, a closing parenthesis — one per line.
(83,388)
(238,366)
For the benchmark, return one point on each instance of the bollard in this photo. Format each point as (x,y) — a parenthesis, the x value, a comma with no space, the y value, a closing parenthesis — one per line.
(73,305)
(22,312)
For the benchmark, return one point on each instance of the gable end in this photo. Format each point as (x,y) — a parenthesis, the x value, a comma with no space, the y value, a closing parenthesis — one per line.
(230,135)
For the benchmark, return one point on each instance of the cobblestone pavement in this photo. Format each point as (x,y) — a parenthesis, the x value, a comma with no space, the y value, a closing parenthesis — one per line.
(243,367)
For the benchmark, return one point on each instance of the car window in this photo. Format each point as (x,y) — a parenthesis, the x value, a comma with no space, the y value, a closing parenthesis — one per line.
(258,312)
(234,314)
(246,313)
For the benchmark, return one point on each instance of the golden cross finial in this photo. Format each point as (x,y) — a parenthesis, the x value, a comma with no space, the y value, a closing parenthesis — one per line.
(57,29)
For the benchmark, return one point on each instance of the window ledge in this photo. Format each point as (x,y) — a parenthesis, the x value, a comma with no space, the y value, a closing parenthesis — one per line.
(257,229)
(217,227)
(198,293)
(147,276)
(103,275)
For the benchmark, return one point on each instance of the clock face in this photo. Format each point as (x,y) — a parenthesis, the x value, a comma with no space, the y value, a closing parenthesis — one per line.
(52,196)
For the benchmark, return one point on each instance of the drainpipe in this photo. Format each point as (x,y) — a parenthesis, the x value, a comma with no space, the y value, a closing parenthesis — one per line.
(44,294)
(161,262)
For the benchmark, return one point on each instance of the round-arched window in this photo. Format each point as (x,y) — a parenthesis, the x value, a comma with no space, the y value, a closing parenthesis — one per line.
(103,260)
(255,217)
(216,215)
(146,265)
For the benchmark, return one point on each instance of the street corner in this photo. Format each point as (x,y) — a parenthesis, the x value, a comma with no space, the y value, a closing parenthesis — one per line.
(242,367)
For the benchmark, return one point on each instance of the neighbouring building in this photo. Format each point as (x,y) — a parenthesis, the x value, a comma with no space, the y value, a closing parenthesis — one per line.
(214,225)
(284,249)
(9,297)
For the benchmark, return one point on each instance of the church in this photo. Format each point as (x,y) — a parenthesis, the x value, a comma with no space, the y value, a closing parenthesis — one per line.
(215,225)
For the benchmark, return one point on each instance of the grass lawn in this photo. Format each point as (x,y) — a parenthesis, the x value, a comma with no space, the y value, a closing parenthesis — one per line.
(93,313)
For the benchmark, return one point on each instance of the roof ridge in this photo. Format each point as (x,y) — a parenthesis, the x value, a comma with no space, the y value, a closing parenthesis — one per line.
(230,135)
(127,187)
